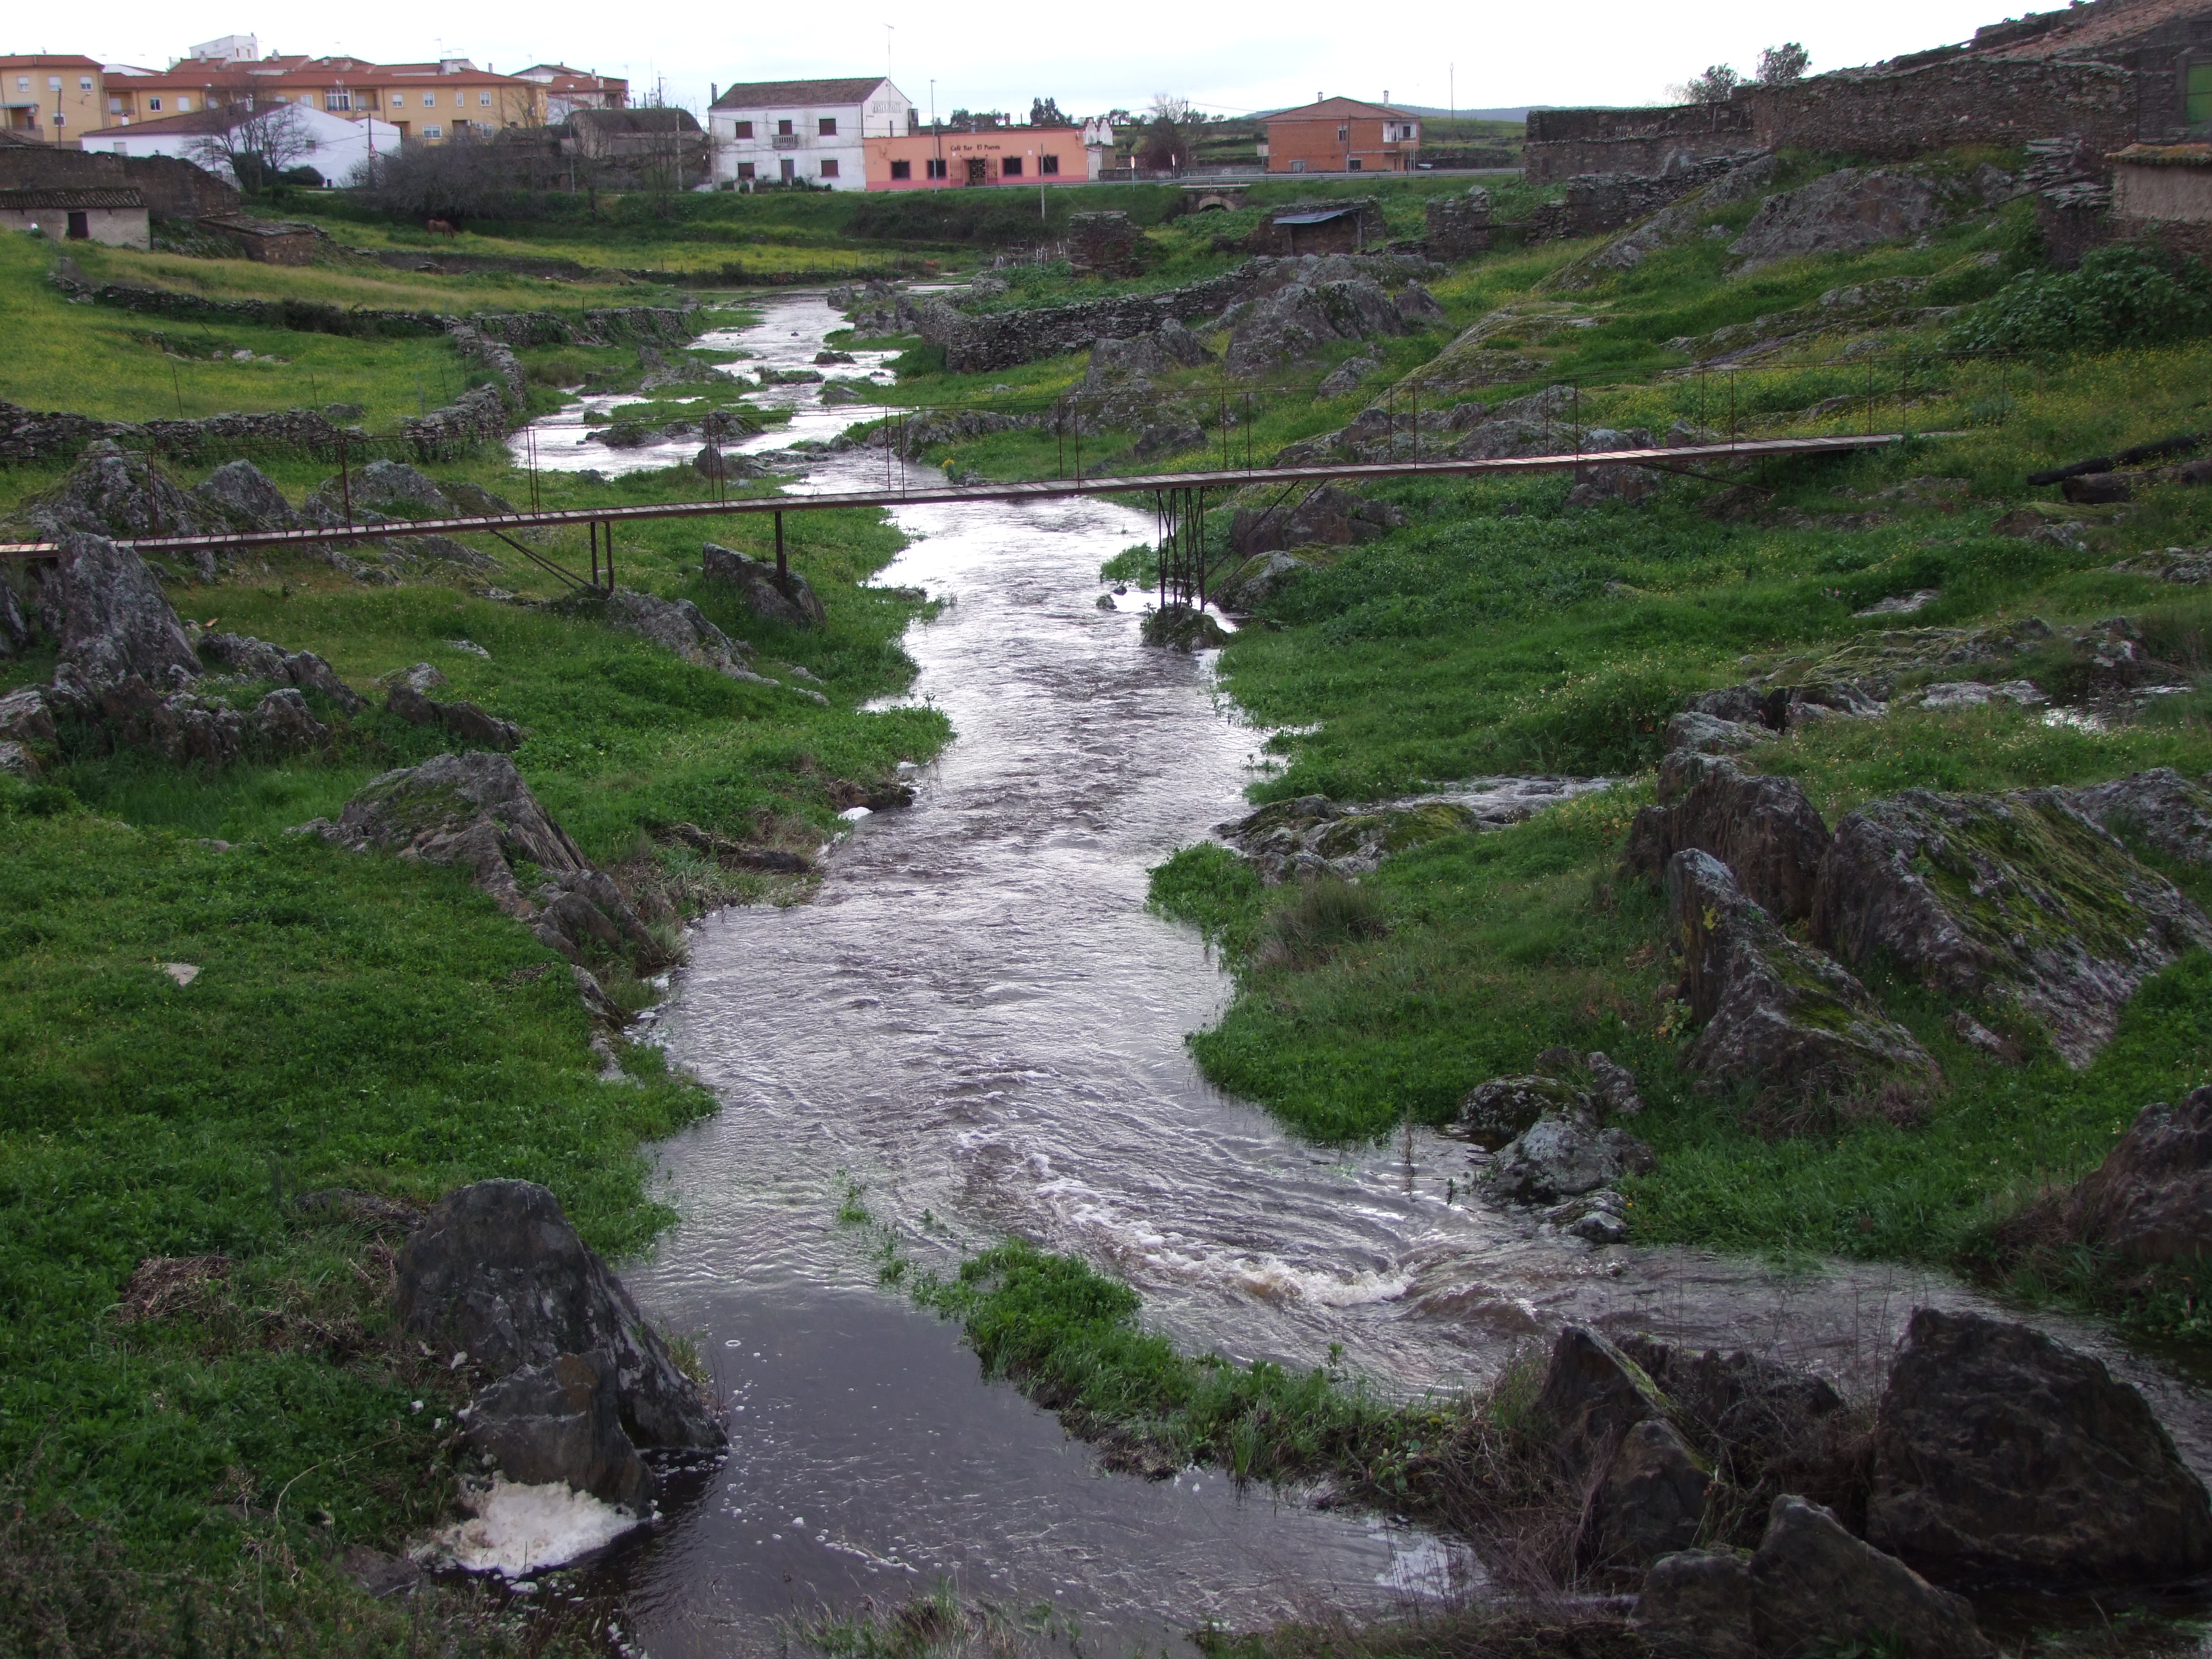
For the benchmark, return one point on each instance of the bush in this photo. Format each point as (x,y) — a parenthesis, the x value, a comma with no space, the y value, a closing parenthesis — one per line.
(1319,919)
(2118,297)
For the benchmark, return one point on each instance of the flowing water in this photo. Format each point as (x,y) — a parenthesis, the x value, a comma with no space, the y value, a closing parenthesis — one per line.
(978,1025)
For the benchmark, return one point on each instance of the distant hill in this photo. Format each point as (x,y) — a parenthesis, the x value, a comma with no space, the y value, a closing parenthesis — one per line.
(1520,113)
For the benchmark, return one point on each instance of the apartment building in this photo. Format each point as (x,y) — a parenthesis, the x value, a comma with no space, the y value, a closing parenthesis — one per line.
(49,99)
(1341,134)
(769,131)
(568,90)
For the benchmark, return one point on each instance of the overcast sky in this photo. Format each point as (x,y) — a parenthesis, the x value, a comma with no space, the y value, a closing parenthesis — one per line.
(1090,57)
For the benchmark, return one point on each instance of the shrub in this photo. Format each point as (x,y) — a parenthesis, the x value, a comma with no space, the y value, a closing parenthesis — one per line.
(2118,296)
(1319,919)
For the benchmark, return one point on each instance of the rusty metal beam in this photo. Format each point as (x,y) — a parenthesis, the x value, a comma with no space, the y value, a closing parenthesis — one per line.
(1036,489)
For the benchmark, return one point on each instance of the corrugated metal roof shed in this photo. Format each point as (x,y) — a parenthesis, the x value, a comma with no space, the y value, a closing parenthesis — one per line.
(1312,216)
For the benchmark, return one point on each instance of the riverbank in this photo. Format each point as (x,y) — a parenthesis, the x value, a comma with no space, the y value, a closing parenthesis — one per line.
(204,1404)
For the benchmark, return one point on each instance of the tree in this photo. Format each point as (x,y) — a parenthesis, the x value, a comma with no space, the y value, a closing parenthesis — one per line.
(1779,65)
(1045,113)
(1175,109)
(1164,141)
(1713,86)
(256,141)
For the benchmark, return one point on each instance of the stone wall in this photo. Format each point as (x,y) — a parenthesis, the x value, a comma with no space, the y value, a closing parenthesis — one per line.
(34,435)
(1458,225)
(170,188)
(1102,242)
(1002,338)
(1885,114)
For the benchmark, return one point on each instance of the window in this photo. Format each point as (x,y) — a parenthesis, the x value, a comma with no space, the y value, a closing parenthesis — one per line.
(2199,113)
(829,169)
(936,167)
(84,83)
(826,127)
(399,100)
(902,169)
(483,101)
(1298,165)
(745,170)
(744,130)
(115,106)
(154,104)
(1011,167)
(783,129)
(60,120)
(1049,166)
(1344,135)
(183,105)
(53,83)
(22,83)
(434,132)
(337,100)
(1352,166)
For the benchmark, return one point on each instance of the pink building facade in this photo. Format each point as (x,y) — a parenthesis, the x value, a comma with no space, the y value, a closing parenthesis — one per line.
(1009,155)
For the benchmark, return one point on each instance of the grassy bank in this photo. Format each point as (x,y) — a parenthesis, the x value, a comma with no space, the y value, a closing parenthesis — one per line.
(185,1457)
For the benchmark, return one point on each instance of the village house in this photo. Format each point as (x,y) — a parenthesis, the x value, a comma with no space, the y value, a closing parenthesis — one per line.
(789,131)
(1340,134)
(334,145)
(568,90)
(117,217)
(49,99)
(1003,155)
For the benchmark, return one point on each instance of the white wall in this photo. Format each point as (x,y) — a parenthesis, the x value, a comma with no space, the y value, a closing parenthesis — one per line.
(340,145)
(887,108)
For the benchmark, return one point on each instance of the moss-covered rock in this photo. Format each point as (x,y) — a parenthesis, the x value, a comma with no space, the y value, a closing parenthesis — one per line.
(2019,902)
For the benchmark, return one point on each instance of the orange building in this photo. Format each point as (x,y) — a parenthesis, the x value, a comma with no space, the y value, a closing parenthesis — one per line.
(429,102)
(1341,134)
(1008,155)
(51,99)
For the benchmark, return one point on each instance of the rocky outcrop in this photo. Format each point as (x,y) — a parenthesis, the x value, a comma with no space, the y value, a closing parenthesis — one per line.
(1494,1113)
(465,720)
(1782,1020)
(1651,1503)
(2160,808)
(2002,1457)
(26,718)
(1765,830)
(1563,1154)
(245,498)
(1329,517)
(2150,1200)
(1313,836)
(1811,1587)
(2018,901)
(785,599)
(496,1273)
(1294,322)
(1593,1395)
(1182,628)
(1695,734)
(255,659)
(1841,212)
(113,625)
(561,1422)
(679,626)
(112,492)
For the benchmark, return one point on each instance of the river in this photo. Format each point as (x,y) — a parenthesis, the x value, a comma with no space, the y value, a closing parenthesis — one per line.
(978,1025)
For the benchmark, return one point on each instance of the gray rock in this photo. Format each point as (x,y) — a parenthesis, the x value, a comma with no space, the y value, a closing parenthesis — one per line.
(25,717)
(1651,1503)
(789,601)
(1813,1583)
(1698,1602)
(422,676)
(241,495)
(1168,438)
(465,720)
(114,493)
(114,624)
(2001,1455)
(1842,212)
(1328,517)
(2150,1200)
(1592,1396)
(1346,377)
(1562,1155)
(602,1008)
(471,809)
(2160,808)
(679,626)
(15,627)
(1169,347)
(1293,321)
(1494,1113)
(1612,1085)
(379,1574)
(283,722)
(561,1422)
(385,485)
(1780,1016)
(1765,830)
(1418,305)
(254,658)
(585,913)
(1313,836)
(2017,900)
(1259,578)
(18,762)
(1740,1409)
(496,1272)
(184,727)
(1708,734)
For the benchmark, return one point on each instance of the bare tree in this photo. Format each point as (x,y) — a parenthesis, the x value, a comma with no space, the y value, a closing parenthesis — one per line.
(257,141)
(1779,65)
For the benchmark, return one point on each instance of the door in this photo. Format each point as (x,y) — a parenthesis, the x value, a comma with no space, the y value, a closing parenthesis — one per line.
(979,171)
(80,227)
(790,169)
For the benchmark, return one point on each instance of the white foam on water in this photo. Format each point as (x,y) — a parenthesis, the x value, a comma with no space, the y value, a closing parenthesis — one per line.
(519,1529)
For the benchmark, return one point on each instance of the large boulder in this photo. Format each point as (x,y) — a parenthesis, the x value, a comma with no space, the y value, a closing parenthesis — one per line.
(785,599)
(113,624)
(283,723)
(1697,1604)
(1843,212)
(1294,320)
(1651,1503)
(26,717)
(1328,517)
(2160,808)
(1563,1155)
(2016,900)
(257,660)
(1741,1409)
(1494,1113)
(467,721)
(244,497)
(1780,1017)
(2150,1200)
(679,626)
(1812,1583)
(1766,829)
(1170,346)
(562,1421)
(496,1271)
(112,492)
(1694,733)
(2001,1455)
(1593,1395)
